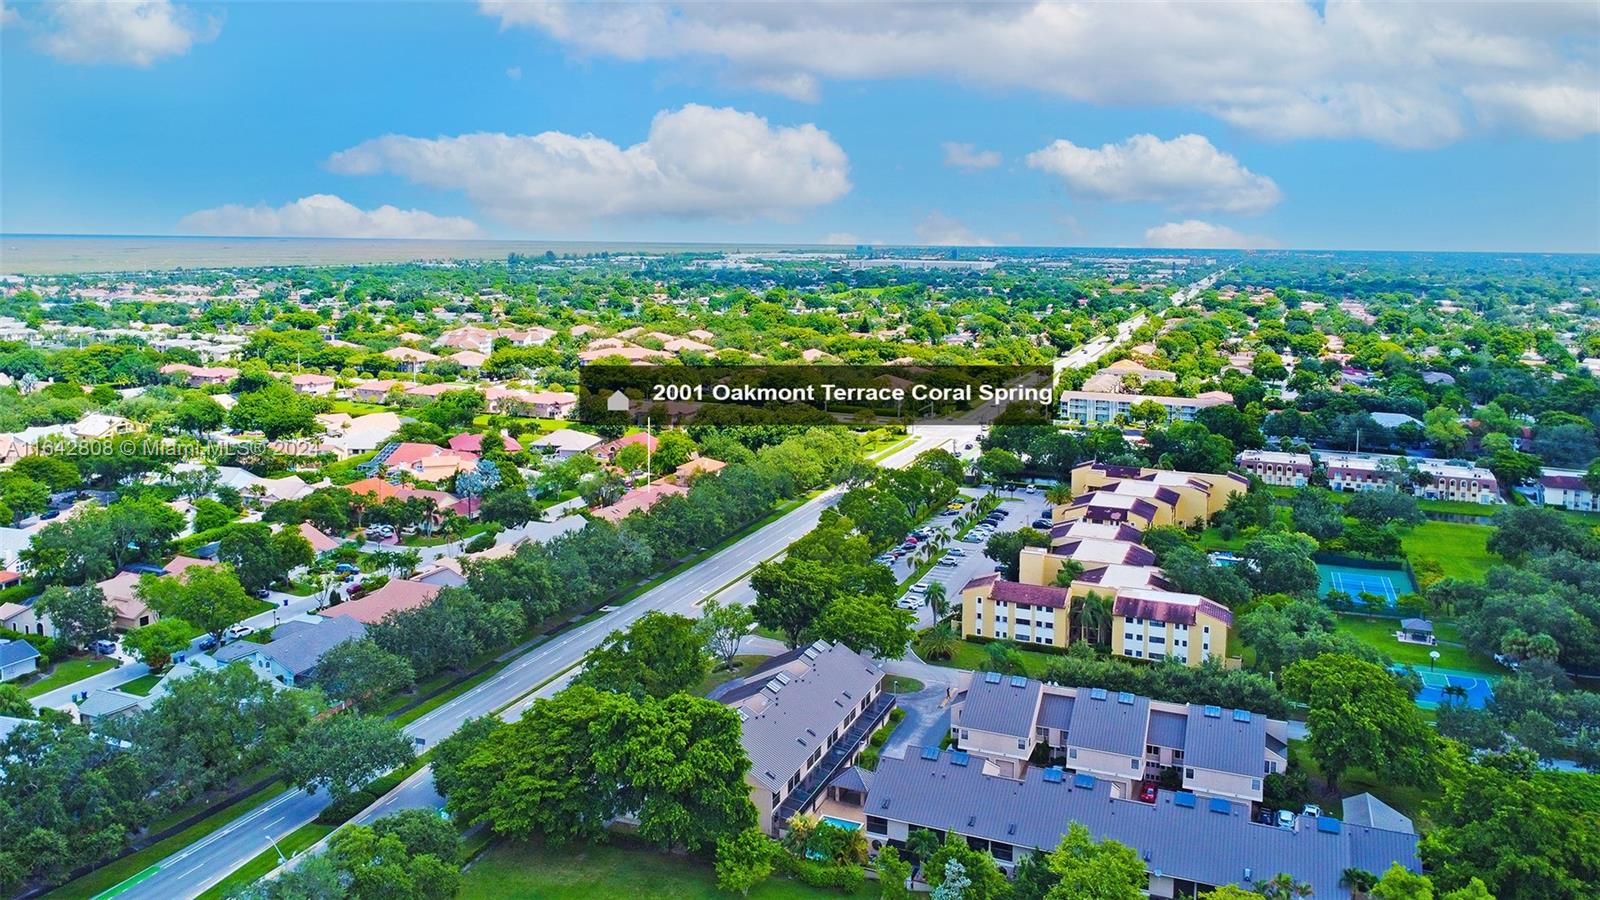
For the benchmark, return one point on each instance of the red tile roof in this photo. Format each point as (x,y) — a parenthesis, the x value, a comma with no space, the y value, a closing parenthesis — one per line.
(395,596)
(1030,594)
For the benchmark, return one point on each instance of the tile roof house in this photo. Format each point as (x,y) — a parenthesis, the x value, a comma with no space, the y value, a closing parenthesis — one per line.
(128,611)
(312,384)
(638,500)
(319,541)
(468,442)
(805,715)
(564,442)
(429,462)
(396,595)
(608,451)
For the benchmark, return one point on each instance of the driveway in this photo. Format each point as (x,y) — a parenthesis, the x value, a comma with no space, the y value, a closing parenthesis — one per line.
(1023,508)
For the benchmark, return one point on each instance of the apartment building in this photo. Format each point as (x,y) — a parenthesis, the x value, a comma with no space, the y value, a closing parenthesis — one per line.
(1567,492)
(1149,622)
(1027,613)
(1098,408)
(1193,496)
(806,715)
(1462,482)
(1121,739)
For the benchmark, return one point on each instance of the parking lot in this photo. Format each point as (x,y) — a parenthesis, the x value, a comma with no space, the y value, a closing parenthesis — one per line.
(1022,508)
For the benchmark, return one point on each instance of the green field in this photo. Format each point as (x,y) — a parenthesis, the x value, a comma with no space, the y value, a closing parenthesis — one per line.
(742,666)
(584,871)
(141,685)
(1461,549)
(66,672)
(974,656)
(1379,633)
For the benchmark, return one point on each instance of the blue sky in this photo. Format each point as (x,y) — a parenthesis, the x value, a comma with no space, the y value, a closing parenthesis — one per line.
(805,123)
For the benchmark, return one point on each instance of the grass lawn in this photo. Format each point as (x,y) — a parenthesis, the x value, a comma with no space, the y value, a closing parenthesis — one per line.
(1459,548)
(900,684)
(113,874)
(1379,633)
(742,666)
(974,656)
(291,843)
(354,407)
(584,871)
(141,685)
(66,672)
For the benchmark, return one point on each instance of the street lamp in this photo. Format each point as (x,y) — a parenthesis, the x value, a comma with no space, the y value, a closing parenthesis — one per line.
(1433,658)
(282,860)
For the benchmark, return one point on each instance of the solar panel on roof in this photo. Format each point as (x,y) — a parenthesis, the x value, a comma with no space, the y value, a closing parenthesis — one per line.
(1054,775)
(811,653)
(1241,715)
(1183,798)
(1328,824)
(991,677)
(1097,693)
(930,752)
(1083,781)
(1219,805)
(1125,697)
(784,677)
(958,757)
(1213,712)
(1019,681)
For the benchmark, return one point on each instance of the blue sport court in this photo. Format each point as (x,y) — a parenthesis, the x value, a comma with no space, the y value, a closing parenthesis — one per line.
(1477,689)
(1353,580)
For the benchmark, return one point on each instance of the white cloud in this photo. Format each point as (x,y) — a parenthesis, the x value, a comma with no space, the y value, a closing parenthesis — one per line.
(697,162)
(8,15)
(514,73)
(1185,173)
(325,215)
(1193,234)
(1554,110)
(123,32)
(1405,73)
(966,156)
(940,230)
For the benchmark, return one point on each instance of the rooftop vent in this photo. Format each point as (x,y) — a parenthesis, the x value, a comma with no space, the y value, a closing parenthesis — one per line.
(1213,712)
(775,685)
(1012,828)
(884,804)
(971,821)
(811,653)
(784,677)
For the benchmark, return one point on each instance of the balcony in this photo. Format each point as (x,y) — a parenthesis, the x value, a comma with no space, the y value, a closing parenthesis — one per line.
(844,748)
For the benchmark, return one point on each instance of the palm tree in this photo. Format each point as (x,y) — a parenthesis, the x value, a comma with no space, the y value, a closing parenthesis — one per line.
(1059,495)
(1071,570)
(1282,886)
(1093,612)
(938,642)
(938,600)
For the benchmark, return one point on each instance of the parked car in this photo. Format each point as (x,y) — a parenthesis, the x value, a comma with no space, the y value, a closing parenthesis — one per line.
(345,569)
(261,593)
(1028,490)
(946,563)
(104,647)
(1042,523)
(235,632)
(908,603)
(1148,793)
(1311,810)
(920,587)
(955,551)
(1285,819)
(206,642)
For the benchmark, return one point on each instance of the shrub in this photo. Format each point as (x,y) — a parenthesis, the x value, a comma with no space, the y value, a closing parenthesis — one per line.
(846,879)
(481,543)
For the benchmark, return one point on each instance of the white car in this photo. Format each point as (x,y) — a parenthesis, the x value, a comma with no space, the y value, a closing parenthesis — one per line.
(955,551)
(236,632)
(909,603)
(946,563)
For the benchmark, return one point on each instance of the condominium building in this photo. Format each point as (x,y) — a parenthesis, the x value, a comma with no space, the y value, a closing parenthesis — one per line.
(1153,623)
(1193,496)
(1096,407)
(1371,472)
(805,715)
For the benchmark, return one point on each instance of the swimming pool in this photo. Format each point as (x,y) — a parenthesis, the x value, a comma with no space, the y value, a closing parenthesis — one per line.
(846,824)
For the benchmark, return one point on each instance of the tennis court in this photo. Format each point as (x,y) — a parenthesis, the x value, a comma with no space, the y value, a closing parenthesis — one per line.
(1467,688)
(1354,581)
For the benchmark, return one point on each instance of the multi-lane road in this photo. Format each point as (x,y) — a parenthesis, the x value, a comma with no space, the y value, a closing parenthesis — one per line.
(197,867)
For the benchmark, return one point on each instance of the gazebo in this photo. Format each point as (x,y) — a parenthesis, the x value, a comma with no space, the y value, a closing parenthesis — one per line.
(1416,631)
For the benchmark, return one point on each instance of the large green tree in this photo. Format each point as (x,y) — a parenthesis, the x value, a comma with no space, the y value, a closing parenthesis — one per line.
(79,614)
(659,654)
(361,672)
(341,753)
(1360,714)
(1091,870)
(871,625)
(208,597)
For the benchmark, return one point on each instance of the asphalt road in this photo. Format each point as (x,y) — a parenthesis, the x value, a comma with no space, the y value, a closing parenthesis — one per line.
(197,867)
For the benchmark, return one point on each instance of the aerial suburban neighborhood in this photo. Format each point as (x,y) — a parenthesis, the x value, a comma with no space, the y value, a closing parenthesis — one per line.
(1040,450)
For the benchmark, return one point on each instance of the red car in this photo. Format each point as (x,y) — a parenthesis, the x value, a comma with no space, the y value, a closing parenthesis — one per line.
(1148,793)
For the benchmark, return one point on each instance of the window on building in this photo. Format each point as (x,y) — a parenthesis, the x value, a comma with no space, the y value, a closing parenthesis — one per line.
(877,825)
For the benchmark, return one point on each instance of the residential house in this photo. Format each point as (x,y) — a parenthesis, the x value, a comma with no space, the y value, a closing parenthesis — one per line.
(637,356)
(1370,812)
(349,436)
(200,376)
(468,359)
(24,619)
(379,490)
(469,442)
(17,658)
(312,384)
(1111,379)
(396,595)
(694,468)
(638,500)
(434,391)
(101,705)
(538,404)
(291,657)
(128,611)
(1193,496)
(609,450)
(805,715)
(409,358)
(564,443)
(374,391)
(428,462)
(320,542)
